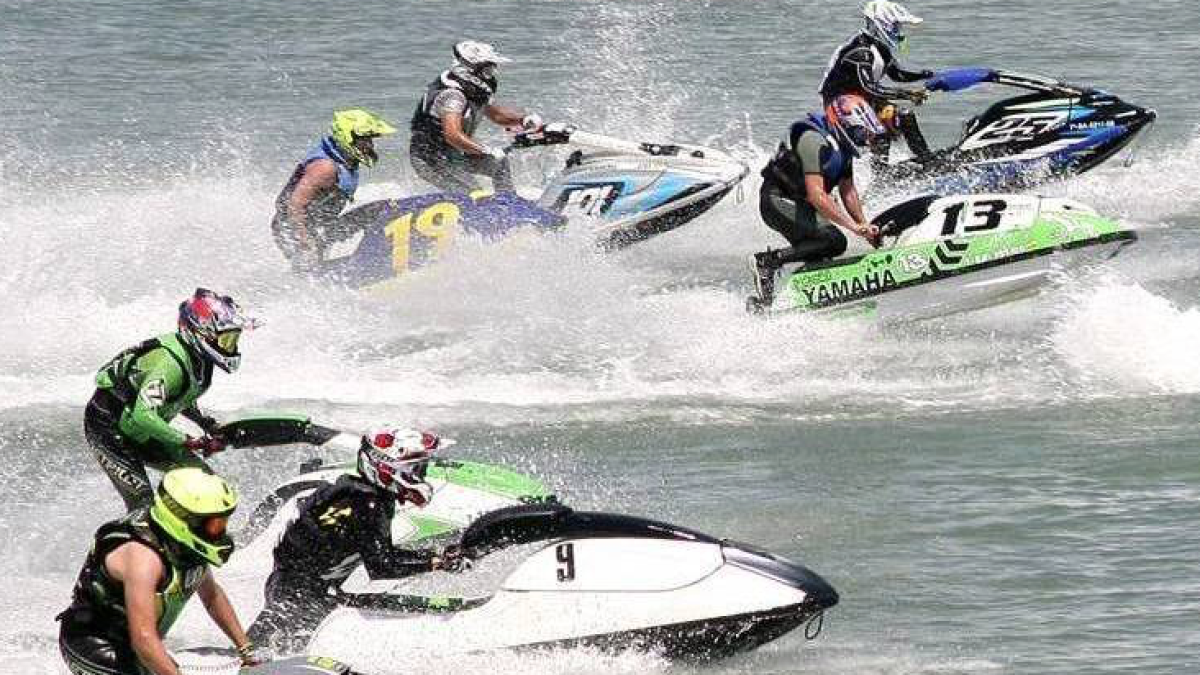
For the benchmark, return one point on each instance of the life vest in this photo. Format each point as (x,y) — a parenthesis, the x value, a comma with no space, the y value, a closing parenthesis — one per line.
(426,126)
(325,208)
(114,376)
(100,599)
(784,168)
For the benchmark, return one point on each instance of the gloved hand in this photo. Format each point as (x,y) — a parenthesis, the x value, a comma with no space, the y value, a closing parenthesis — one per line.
(532,121)
(918,96)
(206,445)
(452,559)
(251,655)
(495,153)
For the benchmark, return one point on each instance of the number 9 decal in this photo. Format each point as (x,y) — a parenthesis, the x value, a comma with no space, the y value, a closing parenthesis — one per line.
(437,223)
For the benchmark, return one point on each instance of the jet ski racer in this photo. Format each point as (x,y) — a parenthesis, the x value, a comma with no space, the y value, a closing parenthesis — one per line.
(141,571)
(139,392)
(342,525)
(859,66)
(443,150)
(307,209)
(816,156)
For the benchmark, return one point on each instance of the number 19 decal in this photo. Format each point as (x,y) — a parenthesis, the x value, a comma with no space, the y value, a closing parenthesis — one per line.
(437,222)
(565,555)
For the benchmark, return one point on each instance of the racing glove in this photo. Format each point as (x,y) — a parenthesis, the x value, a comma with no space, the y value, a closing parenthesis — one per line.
(532,121)
(251,655)
(206,445)
(452,559)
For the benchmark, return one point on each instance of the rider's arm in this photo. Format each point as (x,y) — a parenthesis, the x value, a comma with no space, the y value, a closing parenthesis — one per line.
(899,74)
(380,558)
(207,423)
(452,131)
(849,193)
(157,377)
(808,149)
(505,116)
(823,202)
(319,175)
(218,607)
(139,570)
(869,68)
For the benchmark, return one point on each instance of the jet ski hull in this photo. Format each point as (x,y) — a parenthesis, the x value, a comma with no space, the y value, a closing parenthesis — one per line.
(630,199)
(631,584)
(965,270)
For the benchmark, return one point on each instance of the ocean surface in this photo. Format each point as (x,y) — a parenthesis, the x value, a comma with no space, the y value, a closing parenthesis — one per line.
(1010,491)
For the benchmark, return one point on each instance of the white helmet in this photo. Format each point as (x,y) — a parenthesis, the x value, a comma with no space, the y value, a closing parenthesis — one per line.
(885,21)
(476,55)
(396,458)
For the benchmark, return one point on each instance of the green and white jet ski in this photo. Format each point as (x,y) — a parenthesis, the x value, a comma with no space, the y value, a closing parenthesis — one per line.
(953,254)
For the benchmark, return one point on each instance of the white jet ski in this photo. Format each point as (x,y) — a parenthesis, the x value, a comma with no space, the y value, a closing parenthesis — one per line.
(599,580)
(632,191)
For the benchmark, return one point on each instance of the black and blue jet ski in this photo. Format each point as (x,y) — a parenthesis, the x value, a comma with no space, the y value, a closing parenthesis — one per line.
(1053,130)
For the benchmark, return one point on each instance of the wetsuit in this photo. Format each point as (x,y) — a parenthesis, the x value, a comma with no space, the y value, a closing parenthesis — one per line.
(433,158)
(339,526)
(322,213)
(127,420)
(858,67)
(94,632)
(810,148)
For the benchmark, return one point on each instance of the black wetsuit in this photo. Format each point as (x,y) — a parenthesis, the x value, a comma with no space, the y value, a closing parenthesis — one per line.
(94,635)
(436,161)
(858,67)
(338,527)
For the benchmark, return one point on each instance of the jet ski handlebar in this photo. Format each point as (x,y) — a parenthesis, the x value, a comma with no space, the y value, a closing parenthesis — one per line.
(559,133)
(958,79)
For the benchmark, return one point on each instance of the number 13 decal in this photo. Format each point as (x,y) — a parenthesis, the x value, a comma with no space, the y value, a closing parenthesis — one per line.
(436,222)
(565,555)
(988,210)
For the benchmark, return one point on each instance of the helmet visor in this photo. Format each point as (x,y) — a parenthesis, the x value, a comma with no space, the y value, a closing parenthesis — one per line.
(213,528)
(227,341)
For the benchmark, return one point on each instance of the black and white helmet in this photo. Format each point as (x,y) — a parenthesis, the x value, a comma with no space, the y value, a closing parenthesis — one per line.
(885,21)
(474,69)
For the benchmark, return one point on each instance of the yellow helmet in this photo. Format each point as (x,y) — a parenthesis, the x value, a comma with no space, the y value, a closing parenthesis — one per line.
(355,123)
(192,507)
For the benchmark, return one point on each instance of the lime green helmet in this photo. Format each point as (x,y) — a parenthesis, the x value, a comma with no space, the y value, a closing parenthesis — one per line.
(192,507)
(351,125)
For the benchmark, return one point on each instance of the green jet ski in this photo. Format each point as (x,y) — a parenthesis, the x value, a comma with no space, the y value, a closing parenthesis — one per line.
(944,255)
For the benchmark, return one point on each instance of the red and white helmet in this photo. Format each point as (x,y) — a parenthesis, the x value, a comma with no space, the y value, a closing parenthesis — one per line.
(854,120)
(396,458)
(212,324)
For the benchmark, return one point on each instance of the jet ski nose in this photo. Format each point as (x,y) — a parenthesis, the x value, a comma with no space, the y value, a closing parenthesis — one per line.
(817,591)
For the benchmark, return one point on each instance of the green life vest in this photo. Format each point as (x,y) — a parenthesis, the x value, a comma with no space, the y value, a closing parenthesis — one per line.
(177,380)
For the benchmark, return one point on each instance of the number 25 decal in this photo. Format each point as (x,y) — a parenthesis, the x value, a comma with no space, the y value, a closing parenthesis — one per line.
(565,555)
(437,222)
(987,209)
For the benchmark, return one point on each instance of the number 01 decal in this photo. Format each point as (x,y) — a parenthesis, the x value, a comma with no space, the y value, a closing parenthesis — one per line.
(437,222)
(565,555)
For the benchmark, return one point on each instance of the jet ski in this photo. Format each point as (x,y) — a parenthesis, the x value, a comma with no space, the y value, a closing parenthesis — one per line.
(956,253)
(1053,130)
(625,192)
(599,580)
(631,191)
